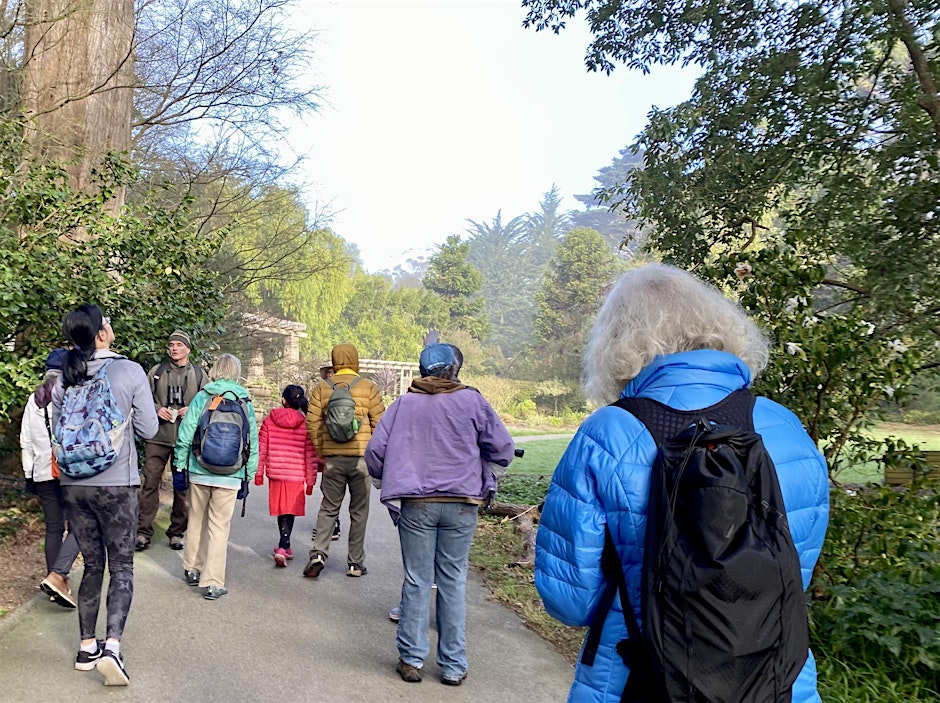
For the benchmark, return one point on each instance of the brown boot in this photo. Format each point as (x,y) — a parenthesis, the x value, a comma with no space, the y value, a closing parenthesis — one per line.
(58,589)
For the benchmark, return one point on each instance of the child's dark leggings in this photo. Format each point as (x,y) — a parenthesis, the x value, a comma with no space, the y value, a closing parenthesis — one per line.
(104,520)
(285,525)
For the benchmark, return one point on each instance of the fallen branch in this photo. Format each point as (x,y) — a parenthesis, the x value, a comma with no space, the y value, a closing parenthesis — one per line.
(524,518)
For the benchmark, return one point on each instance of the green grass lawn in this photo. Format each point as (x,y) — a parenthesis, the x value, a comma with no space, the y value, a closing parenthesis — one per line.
(541,456)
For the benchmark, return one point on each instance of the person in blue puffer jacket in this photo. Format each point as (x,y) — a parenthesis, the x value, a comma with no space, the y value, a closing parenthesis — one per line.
(662,334)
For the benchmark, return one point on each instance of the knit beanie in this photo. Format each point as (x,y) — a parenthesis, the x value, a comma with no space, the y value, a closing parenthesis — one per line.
(180,336)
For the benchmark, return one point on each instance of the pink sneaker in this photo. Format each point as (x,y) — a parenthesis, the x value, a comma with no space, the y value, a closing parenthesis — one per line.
(280,557)
(289,553)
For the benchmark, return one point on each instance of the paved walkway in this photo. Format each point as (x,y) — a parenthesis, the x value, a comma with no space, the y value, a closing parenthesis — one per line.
(277,636)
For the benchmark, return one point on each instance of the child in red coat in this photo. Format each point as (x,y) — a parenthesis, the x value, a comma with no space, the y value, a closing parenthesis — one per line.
(287,456)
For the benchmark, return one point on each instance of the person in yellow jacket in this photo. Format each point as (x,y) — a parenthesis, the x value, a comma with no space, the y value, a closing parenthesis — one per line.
(344,463)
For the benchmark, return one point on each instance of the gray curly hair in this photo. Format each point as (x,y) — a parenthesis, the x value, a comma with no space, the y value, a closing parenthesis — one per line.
(659,309)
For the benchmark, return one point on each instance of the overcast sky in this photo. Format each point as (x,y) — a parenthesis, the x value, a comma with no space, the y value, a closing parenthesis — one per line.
(442,111)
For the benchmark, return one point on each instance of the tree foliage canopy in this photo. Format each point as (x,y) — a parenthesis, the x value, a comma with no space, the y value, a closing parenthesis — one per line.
(802,174)
(573,289)
(458,283)
(143,266)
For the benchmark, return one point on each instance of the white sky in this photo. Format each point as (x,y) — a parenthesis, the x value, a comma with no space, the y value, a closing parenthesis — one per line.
(443,111)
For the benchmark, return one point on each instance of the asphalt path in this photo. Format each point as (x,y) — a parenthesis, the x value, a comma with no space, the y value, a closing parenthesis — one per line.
(276,636)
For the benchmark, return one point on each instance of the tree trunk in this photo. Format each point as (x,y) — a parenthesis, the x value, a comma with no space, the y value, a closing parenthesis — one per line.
(78,82)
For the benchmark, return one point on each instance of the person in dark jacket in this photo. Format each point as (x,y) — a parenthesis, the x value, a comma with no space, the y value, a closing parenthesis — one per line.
(174,383)
(661,334)
(431,452)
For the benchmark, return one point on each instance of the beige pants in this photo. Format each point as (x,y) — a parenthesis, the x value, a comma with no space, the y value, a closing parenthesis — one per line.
(210,519)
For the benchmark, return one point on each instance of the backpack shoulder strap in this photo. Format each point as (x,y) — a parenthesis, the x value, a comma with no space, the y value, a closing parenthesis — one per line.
(346,384)
(631,650)
(664,422)
(161,369)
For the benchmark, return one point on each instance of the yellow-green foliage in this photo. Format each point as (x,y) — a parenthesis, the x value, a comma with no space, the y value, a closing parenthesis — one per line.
(502,393)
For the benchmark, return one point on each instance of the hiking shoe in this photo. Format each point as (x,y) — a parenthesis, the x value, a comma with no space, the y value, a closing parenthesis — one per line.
(192,577)
(315,565)
(111,666)
(214,592)
(356,570)
(57,588)
(280,557)
(453,680)
(335,535)
(142,544)
(176,543)
(409,673)
(86,661)
(394,614)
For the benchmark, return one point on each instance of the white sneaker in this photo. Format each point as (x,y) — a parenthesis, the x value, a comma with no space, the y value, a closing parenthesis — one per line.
(111,666)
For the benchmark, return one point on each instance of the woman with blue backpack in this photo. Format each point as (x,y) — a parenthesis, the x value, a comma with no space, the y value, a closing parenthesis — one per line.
(101,400)
(217,448)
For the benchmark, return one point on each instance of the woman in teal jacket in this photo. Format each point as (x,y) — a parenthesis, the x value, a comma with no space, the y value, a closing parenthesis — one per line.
(661,334)
(212,496)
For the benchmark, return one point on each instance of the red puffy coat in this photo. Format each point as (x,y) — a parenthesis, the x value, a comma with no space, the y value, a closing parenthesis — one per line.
(285,452)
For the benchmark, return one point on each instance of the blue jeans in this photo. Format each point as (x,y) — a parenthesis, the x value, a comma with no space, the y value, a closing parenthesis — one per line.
(435,543)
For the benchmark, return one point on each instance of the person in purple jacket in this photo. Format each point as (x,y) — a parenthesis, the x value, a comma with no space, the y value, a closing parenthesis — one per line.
(431,452)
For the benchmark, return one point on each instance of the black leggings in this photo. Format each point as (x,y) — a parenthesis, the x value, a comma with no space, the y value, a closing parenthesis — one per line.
(104,520)
(285,525)
(60,554)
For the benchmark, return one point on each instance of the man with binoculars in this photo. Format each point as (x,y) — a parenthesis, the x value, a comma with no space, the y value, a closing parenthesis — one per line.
(174,382)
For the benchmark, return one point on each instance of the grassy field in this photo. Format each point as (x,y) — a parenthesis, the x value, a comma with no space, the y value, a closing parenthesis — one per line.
(541,456)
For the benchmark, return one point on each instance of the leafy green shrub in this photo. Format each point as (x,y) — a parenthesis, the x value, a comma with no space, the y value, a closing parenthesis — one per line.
(502,393)
(525,489)
(877,593)
(921,417)
(525,409)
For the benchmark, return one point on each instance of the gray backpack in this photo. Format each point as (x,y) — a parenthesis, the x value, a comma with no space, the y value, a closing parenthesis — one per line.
(340,416)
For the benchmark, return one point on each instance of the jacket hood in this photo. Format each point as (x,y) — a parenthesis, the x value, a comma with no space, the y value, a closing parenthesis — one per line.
(345,356)
(433,385)
(287,418)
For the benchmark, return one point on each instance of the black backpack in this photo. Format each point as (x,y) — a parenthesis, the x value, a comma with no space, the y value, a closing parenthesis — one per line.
(723,610)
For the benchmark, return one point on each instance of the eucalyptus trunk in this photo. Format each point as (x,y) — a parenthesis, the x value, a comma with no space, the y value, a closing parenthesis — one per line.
(78,83)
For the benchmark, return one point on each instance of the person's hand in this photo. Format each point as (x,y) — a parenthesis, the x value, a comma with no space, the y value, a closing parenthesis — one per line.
(259,479)
(182,410)
(309,489)
(165,414)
